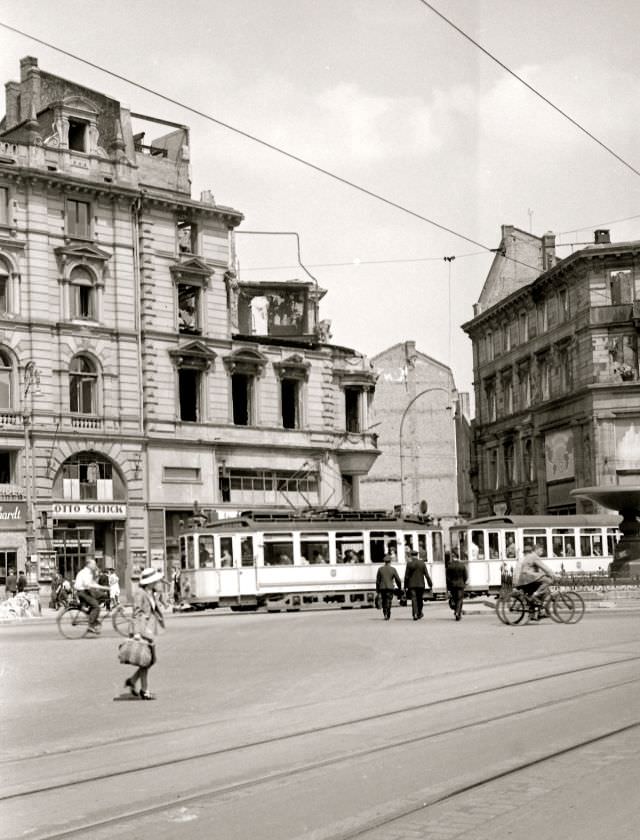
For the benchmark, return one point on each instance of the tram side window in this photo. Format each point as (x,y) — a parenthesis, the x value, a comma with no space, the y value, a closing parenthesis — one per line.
(612,538)
(226,552)
(314,548)
(246,551)
(510,543)
(535,540)
(381,543)
(462,545)
(350,547)
(477,545)
(437,546)
(494,545)
(563,543)
(591,543)
(278,549)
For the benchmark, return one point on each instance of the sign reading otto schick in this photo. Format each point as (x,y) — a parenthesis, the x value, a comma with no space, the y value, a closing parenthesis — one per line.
(13,515)
(89,510)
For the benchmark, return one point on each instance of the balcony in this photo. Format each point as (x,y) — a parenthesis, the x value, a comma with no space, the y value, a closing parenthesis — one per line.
(615,313)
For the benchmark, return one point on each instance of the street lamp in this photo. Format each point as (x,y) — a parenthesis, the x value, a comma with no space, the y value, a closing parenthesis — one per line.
(31,388)
(404,415)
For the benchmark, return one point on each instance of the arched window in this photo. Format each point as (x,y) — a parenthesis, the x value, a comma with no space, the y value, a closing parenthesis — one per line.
(83,386)
(6,377)
(82,300)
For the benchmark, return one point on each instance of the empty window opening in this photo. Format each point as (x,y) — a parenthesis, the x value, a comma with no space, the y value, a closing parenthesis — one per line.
(189,386)
(187,238)
(241,396)
(289,389)
(188,298)
(77,136)
(352,409)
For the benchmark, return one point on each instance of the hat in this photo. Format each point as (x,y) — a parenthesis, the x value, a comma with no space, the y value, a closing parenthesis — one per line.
(149,575)
(414,554)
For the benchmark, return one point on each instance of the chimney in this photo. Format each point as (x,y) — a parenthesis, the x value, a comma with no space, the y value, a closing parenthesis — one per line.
(548,250)
(30,85)
(12,97)
(602,237)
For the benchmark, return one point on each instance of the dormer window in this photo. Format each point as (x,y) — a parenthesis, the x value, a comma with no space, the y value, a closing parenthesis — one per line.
(77,136)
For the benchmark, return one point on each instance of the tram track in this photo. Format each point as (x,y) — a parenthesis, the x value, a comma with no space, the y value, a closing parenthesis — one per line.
(302,769)
(280,738)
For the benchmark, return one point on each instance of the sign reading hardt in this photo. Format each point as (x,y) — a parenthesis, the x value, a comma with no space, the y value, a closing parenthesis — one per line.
(89,510)
(12,515)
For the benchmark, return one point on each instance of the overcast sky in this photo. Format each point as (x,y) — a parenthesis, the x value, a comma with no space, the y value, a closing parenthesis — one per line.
(387,95)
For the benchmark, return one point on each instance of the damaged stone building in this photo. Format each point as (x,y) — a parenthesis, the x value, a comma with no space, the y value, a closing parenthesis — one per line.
(140,379)
(557,387)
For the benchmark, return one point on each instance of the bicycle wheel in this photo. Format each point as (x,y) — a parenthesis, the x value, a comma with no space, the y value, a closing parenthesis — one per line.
(515,610)
(73,623)
(578,606)
(122,619)
(562,608)
(501,603)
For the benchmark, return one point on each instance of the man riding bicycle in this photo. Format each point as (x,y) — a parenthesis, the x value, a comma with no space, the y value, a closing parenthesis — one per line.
(532,576)
(86,585)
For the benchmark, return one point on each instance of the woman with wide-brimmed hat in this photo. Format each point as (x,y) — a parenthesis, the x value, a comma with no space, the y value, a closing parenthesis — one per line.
(147,617)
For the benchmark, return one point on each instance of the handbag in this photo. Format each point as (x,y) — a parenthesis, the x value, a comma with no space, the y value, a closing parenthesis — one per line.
(378,601)
(134,652)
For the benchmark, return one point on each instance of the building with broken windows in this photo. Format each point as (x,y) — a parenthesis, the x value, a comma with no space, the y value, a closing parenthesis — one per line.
(140,379)
(557,386)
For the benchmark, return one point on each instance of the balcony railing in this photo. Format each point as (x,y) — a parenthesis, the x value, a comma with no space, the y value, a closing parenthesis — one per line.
(10,418)
(80,422)
(615,313)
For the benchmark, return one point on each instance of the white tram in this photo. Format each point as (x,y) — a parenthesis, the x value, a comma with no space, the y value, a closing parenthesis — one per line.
(285,560)
(572,544)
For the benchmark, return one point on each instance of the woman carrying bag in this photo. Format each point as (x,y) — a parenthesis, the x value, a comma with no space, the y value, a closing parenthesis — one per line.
(147,616)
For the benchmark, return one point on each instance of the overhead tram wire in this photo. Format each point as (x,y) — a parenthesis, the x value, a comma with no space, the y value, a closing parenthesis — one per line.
(530,87)
(263,143)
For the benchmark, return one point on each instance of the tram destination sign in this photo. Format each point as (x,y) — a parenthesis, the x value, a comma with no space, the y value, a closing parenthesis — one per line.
(89,510)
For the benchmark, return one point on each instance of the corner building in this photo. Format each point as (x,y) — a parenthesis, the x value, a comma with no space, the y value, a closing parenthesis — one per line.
(557,386)
(141,381)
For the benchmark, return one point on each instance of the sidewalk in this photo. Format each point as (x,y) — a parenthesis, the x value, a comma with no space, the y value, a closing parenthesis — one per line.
(596,602)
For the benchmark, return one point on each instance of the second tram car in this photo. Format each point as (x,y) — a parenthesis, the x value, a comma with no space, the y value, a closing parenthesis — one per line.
(288,560)
(572,544)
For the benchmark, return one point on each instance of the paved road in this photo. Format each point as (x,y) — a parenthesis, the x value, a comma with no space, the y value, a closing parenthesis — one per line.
(230,680)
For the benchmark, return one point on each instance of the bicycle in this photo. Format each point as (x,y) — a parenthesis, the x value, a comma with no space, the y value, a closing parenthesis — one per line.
(517,607)
(73,620)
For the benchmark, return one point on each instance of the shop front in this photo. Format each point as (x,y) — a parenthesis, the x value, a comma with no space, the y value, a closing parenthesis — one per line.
(89,529)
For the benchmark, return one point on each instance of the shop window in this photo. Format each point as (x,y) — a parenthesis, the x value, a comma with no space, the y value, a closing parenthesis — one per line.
(188,309)
(83,386)
(77,136)
(189,390)
(242,398)
(8,563)
(78,219)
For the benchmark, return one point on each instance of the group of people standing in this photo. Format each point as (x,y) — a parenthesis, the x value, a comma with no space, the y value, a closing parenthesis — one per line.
(417,580)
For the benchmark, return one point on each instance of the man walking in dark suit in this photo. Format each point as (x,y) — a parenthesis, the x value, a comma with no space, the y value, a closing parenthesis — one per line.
(387,581)
(456,573)
(415,575)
